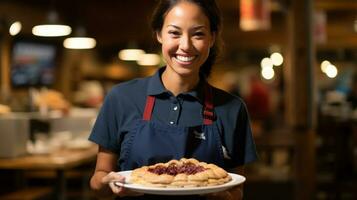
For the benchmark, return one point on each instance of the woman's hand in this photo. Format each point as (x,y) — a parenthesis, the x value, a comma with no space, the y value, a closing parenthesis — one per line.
(104,177)
(121,191)
(110,180)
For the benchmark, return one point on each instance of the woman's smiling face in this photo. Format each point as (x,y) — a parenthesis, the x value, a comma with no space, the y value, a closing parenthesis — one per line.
(186,39)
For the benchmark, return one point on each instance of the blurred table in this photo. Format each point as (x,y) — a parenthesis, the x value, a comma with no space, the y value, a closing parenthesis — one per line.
(59,161)
(336,158)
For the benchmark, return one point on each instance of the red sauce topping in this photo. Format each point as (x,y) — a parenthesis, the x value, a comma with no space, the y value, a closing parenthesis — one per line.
(173,169)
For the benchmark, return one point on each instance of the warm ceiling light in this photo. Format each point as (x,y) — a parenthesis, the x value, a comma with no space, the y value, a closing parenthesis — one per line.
(15,28)
(131,54)
(267,73)
(79,43)
(254,15)
(52,28)
(149,59)
(79,40)
(324,65)
(266,62)
(277,59)
(331,71)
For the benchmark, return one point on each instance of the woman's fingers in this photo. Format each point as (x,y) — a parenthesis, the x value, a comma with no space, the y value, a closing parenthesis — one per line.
(112,177)
(122,191)
(117,189)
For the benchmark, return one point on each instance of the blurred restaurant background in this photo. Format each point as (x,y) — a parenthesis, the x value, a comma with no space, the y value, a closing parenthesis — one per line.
(294,62)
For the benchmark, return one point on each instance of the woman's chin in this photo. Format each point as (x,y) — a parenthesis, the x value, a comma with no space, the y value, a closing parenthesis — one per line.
(186,72)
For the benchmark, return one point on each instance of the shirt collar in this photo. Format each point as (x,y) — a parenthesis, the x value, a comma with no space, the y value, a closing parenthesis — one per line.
(156,87)
(199,91)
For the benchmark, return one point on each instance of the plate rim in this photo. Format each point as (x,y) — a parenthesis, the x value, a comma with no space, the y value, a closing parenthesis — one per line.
(237,179)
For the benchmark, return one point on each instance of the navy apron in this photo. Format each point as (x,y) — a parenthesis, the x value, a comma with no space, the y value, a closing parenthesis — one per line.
(152,142)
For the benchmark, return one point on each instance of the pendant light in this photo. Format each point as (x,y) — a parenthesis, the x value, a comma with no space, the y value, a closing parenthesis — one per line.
(79,40)
(14,27)
(254,15)
(132,53)
(52,28)
(149,59)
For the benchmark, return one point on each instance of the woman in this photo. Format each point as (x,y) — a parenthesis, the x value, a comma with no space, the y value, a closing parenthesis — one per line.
(175,113)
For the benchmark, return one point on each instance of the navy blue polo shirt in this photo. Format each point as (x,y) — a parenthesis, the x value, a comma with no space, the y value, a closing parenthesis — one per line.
(125,104)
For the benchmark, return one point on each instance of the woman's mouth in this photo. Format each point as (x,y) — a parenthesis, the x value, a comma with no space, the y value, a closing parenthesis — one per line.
(184,59)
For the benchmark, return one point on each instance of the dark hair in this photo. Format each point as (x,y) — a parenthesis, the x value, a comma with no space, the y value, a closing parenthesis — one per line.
(210,8)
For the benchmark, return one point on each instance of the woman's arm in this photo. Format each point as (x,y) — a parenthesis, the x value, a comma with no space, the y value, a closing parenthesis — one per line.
(102,181)
(235,193)
(106,163)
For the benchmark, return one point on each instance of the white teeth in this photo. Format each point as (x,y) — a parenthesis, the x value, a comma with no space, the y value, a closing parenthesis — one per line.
(185,58)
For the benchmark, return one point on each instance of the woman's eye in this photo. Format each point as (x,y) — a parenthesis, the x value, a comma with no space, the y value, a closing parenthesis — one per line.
(199,34)
(174,33)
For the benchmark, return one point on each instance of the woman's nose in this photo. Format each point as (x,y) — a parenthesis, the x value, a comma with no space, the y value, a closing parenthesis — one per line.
(185,43)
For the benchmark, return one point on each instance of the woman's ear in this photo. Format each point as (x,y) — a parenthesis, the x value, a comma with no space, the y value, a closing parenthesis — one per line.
(213,39)
(158,36)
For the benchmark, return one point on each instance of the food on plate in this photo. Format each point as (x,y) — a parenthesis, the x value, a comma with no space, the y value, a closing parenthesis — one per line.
(180,173)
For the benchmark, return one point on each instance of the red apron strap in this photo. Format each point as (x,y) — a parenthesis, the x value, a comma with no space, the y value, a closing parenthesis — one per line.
(150,101)
(208,113)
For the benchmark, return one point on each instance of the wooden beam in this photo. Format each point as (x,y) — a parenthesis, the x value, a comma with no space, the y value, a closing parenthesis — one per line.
(5,88)
(336,5)
(299,91)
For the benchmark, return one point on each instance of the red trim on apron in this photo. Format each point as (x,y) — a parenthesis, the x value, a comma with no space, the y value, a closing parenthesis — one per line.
(150,101)
(208,115)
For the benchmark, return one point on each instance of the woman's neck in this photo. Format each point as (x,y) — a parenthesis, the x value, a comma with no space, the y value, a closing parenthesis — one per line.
(178,84)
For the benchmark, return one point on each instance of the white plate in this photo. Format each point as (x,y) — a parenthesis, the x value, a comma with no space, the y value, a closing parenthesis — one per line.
(236,180)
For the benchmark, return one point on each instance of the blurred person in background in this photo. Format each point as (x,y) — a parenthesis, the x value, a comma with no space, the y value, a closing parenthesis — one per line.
(258,100)
(258,103)
(145,121)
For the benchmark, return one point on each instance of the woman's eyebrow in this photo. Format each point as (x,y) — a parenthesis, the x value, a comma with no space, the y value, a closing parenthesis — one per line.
(172,25)
(198,27)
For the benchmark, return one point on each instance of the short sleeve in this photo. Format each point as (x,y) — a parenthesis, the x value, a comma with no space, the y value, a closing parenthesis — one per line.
(243,147)
(105,130)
